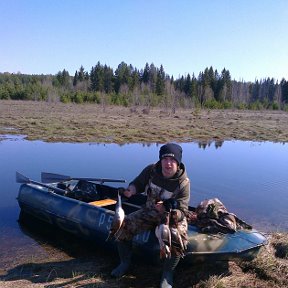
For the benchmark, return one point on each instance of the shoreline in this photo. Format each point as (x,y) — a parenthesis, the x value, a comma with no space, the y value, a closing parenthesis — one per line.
(58,122)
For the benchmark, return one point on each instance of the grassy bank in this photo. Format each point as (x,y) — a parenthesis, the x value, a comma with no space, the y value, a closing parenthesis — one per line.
(90,267)
(112,124)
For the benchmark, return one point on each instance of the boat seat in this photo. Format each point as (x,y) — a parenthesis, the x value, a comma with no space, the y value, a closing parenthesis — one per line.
(104,202)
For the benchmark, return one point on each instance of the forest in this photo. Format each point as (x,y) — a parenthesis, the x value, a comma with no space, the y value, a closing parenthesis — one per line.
(148,87)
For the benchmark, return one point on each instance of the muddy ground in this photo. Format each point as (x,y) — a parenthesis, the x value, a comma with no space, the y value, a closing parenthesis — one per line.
(85,265)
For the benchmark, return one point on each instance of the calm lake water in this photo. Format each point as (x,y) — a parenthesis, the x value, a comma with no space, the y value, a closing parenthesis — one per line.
(250,178)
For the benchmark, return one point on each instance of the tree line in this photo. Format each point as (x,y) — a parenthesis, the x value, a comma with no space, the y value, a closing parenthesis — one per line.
(149,86)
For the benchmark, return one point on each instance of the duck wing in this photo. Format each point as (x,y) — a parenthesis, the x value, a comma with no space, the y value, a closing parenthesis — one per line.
(176,241)
(163,234)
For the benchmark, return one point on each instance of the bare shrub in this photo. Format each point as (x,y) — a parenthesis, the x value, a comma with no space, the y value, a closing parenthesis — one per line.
(133,109)
(146,111)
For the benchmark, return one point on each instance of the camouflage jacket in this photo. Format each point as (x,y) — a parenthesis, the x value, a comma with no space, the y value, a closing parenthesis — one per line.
(157,188)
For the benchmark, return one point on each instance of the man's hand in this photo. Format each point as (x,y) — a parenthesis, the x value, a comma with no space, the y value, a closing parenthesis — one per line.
(127,193)
(160,207)
(130,191)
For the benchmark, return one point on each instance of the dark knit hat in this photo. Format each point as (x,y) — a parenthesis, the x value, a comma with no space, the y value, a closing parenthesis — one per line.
(171,150)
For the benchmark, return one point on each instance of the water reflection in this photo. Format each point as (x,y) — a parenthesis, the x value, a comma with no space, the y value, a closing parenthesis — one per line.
(205,144)
(250,178)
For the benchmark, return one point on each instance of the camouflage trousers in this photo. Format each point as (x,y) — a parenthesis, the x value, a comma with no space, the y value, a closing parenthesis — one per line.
(137,222)
(143,220)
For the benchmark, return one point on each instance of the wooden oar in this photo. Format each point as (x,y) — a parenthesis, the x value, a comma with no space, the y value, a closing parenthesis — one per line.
(23,179)
(52,178)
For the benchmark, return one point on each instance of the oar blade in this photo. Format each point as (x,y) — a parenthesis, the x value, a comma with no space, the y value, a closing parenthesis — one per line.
(52,177)
(20,178)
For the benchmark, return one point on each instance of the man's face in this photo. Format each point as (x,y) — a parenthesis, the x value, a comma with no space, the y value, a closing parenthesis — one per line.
(169,167)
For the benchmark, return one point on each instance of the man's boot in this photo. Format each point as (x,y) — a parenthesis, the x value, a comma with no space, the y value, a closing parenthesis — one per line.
(125,253)
(168,271)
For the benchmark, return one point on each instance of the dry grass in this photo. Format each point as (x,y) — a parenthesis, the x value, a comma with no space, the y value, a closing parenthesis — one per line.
(75,263)
(91,123)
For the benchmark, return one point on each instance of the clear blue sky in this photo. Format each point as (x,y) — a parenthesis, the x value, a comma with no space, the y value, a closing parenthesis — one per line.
(247,37)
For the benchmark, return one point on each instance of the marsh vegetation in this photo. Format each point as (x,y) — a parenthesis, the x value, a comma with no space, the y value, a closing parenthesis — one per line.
(58,122)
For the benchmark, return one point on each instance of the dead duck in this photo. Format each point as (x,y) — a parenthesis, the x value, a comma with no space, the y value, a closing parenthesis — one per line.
(177,244)
(117,220)
(163,234)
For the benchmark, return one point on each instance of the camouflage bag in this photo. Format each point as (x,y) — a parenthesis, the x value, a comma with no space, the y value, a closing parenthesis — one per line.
(212,216)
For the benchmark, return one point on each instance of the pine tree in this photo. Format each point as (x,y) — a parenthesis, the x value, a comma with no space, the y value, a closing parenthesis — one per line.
(160,82)
(97,78)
